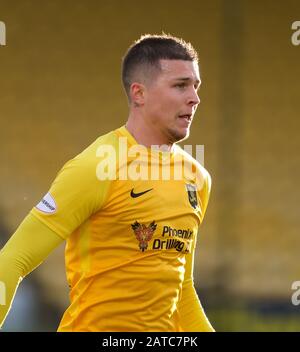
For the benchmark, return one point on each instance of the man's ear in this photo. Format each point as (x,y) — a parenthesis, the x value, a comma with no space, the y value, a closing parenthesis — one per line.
(137,94)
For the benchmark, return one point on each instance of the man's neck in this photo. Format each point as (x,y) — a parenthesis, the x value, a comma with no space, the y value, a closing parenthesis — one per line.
(145,134)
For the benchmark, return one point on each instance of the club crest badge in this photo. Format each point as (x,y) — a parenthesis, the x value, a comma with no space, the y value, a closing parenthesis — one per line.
(143,233)
(192,195)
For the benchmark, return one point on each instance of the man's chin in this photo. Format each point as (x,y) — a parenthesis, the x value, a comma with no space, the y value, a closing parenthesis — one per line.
(179,136)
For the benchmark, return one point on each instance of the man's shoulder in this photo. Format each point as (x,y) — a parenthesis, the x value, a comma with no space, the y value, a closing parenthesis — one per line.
(89,157)
(108,139)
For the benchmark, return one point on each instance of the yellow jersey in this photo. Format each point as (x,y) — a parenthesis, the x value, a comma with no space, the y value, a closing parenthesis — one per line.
(130,215)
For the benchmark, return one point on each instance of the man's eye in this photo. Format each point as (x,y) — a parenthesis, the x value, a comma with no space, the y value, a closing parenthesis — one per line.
(180,85)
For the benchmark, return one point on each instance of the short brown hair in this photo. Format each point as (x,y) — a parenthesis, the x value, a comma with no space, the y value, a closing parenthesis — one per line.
(146,52)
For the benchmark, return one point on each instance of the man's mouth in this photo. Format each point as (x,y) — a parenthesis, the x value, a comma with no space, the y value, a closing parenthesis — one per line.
(187,117)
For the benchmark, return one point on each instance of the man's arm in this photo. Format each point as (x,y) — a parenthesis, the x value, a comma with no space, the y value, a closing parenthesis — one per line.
(76,193)
(192,315)
(27,248)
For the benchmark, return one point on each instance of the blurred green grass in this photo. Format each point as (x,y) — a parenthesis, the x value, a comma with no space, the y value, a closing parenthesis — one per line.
(238,319)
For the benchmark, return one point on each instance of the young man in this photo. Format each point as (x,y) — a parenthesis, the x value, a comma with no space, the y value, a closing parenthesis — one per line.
(129,211)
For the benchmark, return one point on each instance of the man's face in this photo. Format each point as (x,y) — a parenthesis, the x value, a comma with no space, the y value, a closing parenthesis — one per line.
(171,99)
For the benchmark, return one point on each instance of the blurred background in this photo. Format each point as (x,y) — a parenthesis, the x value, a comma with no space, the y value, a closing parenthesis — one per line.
(60,88)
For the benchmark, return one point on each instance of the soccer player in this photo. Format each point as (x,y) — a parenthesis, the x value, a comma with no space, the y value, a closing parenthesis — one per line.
(129,207)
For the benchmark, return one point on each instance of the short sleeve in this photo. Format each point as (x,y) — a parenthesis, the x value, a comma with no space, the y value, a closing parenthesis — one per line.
(204,192)
(74,196)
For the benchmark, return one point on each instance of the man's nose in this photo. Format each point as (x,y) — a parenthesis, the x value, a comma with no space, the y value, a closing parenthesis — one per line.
(193,98)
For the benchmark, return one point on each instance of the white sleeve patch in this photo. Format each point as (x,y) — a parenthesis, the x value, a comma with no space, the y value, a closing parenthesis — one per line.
(47,204)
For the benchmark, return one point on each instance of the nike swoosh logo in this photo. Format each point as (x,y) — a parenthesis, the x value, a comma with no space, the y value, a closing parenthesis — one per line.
(135,195)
